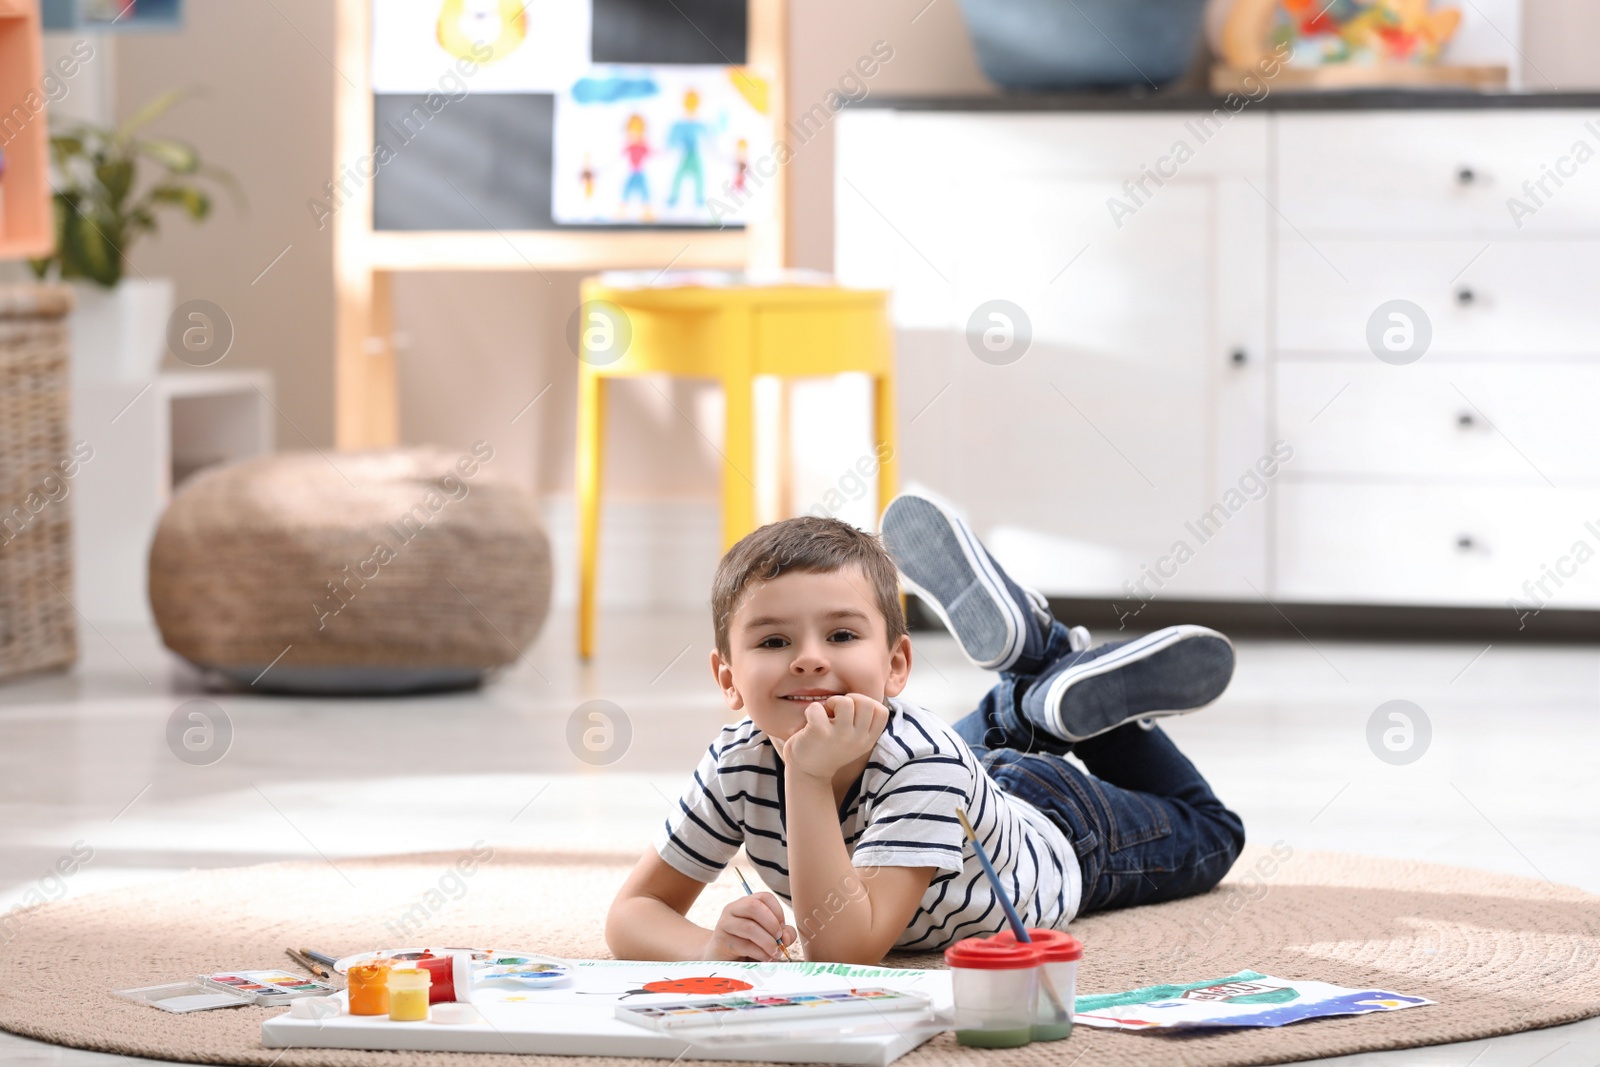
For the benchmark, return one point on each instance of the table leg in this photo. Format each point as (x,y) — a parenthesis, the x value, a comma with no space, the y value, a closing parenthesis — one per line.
(888,446)
(591,439)
(885,439)
(738,459)
(778,502)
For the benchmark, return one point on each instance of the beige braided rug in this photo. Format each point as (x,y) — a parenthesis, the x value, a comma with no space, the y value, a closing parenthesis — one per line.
(1498,953)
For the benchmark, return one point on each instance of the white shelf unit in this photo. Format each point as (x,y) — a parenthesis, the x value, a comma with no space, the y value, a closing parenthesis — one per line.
(1225,308)
(147,439)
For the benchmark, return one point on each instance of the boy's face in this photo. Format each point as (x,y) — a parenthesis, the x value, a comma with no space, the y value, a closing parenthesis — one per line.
(806,636)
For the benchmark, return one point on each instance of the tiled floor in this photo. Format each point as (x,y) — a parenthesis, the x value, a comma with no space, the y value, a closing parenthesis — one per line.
(1508,782)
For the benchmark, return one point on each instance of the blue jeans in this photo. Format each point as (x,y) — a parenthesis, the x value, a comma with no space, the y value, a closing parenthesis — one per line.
(1144,824)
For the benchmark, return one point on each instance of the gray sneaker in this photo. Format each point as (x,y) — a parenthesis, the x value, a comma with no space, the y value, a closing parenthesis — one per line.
(1168,672)
(999,624)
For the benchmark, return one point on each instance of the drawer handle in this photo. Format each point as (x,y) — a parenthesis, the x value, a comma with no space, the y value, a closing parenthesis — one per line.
(1466,420)
(1465,175)
(1465,296)
(1239,357)
(1466,543)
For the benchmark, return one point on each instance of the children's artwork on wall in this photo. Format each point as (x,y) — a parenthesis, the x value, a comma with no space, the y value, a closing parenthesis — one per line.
(661,144)
(107,10)
(513,46)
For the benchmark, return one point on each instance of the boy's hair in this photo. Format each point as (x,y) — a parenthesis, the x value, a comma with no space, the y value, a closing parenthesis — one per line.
(808,543)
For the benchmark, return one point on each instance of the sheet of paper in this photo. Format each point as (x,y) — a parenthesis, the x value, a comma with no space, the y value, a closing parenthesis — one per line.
(1244,999)
(686,145)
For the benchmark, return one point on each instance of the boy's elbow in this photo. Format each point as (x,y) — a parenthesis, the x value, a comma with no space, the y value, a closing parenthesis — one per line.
(616,939)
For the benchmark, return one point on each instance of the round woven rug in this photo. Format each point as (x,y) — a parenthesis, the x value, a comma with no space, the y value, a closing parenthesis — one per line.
(1499,954)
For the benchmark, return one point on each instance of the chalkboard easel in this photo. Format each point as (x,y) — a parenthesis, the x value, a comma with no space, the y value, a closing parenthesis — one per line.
(366,396)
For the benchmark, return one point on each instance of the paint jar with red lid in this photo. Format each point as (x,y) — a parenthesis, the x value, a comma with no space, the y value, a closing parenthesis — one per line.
(996,984)
(452,976)
(1058,972)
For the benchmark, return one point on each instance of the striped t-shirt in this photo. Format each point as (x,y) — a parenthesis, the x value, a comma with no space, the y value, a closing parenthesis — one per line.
(900,813)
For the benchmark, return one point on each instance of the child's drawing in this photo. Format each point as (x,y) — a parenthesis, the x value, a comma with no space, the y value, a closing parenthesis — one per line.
(656,144)
(452,47)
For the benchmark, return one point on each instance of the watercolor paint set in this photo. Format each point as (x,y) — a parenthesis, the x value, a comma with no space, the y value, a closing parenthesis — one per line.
(228,989)
(759,1008)
(267,987)
(182,997)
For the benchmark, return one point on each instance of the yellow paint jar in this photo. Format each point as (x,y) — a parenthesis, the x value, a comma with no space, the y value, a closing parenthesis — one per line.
(408,994)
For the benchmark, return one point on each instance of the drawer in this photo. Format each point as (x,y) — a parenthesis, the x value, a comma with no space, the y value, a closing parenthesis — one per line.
(1481,298)
(1463,422)
(1192,144)
(1412,544)
(1438,171)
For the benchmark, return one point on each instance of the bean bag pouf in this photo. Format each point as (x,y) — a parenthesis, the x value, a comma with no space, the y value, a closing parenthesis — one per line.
(351,572)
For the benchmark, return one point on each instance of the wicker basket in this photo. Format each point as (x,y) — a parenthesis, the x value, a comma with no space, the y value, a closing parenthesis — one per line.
(37,622)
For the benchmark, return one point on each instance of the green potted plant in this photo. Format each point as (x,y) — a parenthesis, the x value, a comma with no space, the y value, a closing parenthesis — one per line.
(103,204)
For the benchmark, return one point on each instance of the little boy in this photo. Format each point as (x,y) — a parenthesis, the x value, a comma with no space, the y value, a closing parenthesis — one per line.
(845,797)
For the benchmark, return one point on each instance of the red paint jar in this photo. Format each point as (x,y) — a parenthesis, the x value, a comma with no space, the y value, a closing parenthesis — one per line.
(452,976)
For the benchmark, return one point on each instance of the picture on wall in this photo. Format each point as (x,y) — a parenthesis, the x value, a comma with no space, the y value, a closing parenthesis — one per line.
(660,144)
(518,46)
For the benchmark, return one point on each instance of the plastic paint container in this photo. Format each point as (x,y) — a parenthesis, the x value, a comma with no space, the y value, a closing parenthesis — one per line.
(369,988)
(996,984)
(315,1008)
(408,994)
(452,976)
(1060,953)
(455,1014)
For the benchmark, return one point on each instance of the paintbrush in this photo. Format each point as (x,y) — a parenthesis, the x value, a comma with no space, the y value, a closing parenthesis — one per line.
(299,956)
(1012,917)
(750,893)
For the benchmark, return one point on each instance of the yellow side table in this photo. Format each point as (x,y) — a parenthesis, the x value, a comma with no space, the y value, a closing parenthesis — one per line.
(731,333)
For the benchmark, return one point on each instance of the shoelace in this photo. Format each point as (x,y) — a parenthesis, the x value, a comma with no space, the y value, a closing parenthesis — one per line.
(1078,638)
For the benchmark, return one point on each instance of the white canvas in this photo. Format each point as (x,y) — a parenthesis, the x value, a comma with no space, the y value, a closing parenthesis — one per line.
(581,1019)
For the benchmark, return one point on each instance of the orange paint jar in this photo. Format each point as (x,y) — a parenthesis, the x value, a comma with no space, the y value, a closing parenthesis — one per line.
(369,988)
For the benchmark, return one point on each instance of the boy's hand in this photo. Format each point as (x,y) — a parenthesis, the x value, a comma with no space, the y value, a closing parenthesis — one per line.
(843,729)
(748,929)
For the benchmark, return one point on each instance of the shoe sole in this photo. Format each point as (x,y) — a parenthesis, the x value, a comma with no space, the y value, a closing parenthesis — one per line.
(976,609)
(1169,672)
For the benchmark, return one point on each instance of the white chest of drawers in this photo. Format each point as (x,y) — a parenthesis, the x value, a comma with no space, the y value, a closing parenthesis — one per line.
(1198,292)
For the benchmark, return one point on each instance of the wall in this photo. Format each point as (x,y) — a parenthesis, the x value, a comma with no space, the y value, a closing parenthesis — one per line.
(482,344)
(267,116)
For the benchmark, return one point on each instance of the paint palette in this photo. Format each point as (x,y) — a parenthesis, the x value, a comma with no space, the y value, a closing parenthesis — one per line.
(761,1008)
(267,987)
(480,956)
(525,971)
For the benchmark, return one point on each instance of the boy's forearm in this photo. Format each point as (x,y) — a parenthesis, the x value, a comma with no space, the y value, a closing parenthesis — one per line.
(821,874)
(643,928)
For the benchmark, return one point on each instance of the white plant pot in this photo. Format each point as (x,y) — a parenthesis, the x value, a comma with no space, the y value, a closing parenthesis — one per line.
(120,334)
